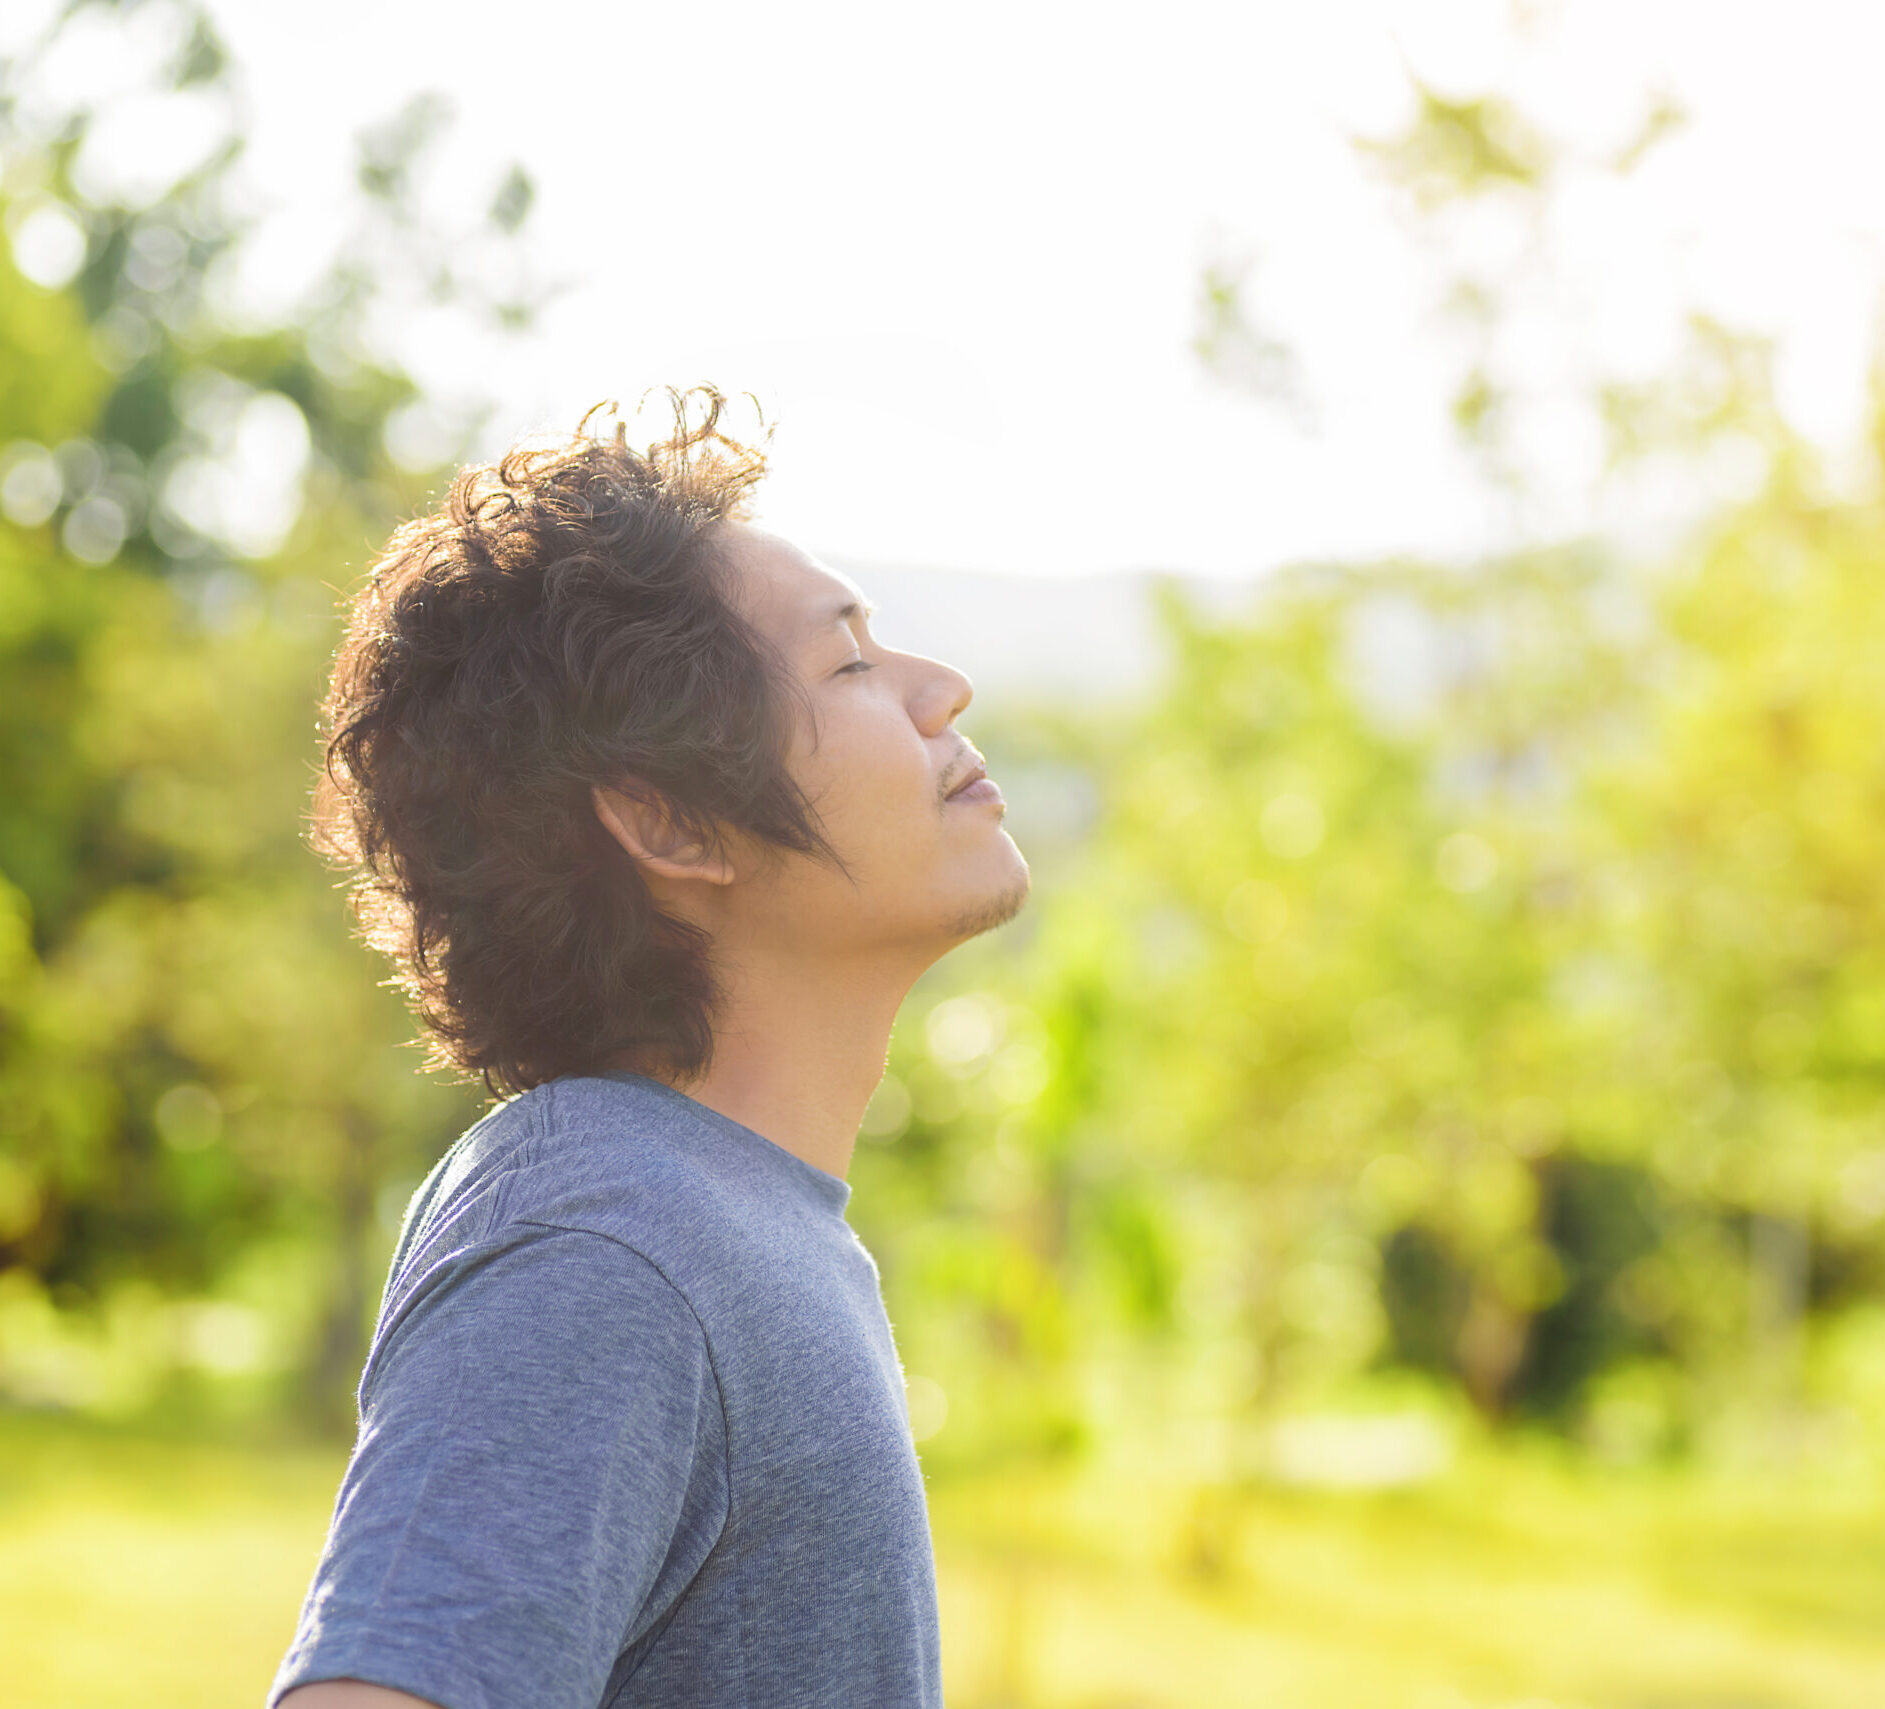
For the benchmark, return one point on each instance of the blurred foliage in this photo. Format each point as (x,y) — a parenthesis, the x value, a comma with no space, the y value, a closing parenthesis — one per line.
(201,1093)
(1470,970)
(1455,148)
(1456,987)
(1478,972)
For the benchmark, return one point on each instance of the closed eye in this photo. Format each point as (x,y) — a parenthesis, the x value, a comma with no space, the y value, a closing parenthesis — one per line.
(854,665)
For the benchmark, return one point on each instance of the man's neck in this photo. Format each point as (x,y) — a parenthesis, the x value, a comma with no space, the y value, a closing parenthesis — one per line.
(798,1052)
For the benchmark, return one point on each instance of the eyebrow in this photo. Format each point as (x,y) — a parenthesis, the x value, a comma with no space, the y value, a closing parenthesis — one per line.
(843,614)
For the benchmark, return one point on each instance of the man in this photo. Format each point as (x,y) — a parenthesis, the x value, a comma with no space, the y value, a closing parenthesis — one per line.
(660,837)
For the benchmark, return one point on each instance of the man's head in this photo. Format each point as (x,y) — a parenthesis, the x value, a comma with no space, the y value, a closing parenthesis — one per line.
(589,727)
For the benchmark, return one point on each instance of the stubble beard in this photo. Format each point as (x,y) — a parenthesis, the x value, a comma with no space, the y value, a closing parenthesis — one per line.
(990,912)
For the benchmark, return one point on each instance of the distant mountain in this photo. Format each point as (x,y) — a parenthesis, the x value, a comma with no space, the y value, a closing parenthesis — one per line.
(1089,637)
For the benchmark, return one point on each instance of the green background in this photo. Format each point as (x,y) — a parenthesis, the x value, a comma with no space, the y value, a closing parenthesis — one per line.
(1397,1221)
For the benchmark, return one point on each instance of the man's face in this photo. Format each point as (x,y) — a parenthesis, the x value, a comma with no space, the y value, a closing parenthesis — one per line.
(928,868)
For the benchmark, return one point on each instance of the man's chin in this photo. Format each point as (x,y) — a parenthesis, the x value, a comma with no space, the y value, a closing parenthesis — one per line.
(991,911)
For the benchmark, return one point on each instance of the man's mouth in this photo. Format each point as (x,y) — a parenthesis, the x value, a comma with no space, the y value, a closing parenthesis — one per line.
(977,786)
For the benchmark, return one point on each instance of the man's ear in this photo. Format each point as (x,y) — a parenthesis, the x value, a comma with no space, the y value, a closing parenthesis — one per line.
(641,824)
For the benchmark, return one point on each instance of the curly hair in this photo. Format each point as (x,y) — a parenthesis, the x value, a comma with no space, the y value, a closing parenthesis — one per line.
(563,621)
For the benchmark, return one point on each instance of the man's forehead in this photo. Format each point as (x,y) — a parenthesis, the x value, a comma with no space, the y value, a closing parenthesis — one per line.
(794,596)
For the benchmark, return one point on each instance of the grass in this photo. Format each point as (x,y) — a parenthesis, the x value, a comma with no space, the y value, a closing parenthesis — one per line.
(1512,1584)
(134,1568)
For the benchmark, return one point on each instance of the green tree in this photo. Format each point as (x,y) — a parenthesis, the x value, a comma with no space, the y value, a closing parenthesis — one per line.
(202,1088)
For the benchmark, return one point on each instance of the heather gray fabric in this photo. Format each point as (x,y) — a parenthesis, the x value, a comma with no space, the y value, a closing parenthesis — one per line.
(632,1432)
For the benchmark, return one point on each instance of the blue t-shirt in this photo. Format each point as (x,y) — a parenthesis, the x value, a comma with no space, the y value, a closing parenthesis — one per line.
(632,1432)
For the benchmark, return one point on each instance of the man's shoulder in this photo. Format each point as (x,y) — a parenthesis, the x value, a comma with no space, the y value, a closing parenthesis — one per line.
(619,1158)
(579,1152)
(725,1217)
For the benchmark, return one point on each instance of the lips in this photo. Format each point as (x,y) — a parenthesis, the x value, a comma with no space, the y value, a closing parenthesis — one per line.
(976,785)
(976,775)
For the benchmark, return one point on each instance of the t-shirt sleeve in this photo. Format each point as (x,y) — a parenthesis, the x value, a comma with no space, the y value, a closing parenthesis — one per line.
(536,1427)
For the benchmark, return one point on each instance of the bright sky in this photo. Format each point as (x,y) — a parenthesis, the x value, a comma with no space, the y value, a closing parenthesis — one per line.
(956,250)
